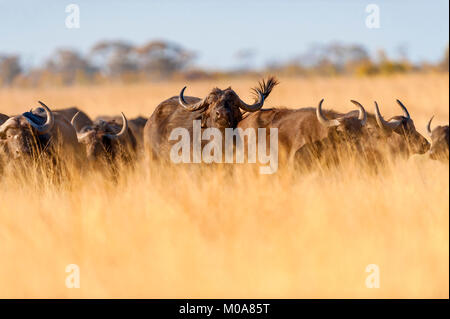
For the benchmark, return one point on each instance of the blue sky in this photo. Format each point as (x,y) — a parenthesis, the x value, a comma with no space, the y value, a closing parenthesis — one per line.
(216,30)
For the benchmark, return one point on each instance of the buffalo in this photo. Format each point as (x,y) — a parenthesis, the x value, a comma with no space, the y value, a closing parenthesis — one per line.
(439,141)
(220,109)
(397,135)
(136,125)
(36,132)
(106,140)
(400,134)
(299,129)
(394,137)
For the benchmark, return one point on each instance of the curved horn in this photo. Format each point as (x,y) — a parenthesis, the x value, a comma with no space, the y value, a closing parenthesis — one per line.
(429,126)
(322,119)
(254,107)
(122,131)
(74,119)
(48,125)
(80,136)
(405,110)
(189,107)
(362,112)
(382,123)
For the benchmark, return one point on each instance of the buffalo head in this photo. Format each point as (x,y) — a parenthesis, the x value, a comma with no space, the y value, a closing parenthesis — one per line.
(103,139)
(403,126)
(222,108)
(347,125)
(26,134)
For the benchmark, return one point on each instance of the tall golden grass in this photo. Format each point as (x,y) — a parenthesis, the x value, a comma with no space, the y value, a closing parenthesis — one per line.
(172,232)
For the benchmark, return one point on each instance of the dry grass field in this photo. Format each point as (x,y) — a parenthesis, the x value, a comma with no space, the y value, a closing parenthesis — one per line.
(162,232)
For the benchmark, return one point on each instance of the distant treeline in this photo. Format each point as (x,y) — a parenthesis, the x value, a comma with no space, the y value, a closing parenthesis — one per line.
(119,61)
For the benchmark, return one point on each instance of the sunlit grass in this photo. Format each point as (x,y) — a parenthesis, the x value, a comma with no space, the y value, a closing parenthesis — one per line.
(178,232)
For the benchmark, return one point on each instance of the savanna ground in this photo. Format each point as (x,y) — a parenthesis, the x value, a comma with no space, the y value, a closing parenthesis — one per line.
(177,233)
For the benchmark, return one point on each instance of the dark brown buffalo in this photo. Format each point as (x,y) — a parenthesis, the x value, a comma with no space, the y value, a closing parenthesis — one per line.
(439,141)
(219,109)
(36,132)
(299,128)
(136,125)
(106,140)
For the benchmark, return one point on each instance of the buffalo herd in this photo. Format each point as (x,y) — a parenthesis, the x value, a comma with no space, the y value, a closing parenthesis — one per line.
(304,134)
